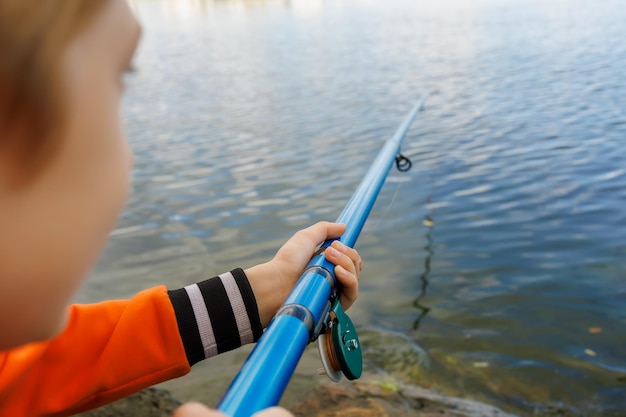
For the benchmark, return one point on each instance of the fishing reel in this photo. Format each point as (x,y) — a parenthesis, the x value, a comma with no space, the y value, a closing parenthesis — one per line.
(339,346)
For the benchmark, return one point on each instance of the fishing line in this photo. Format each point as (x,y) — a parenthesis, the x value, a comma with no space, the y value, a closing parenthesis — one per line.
(383,215)
(403,164)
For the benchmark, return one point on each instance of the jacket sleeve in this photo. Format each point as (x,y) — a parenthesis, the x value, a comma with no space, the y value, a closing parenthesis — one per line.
(111,349)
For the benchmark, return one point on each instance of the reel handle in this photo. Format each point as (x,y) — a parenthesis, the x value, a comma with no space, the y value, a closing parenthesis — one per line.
(339,348)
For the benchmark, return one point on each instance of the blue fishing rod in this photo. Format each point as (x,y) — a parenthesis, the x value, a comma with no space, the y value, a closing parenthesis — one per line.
(312,309)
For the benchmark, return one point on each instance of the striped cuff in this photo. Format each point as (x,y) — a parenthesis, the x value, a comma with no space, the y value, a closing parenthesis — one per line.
(216,315)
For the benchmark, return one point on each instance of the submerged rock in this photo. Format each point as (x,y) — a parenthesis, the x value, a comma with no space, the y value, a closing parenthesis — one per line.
(382,395)
(393,353)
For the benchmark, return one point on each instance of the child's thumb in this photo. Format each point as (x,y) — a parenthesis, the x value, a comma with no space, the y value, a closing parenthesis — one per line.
(273,412)
(196,410)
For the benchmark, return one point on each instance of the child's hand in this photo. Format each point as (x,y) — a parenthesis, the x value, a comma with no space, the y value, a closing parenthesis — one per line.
(199,410)
(272,281)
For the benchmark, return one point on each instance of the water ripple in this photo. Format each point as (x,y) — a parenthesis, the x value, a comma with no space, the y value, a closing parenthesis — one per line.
(249,123)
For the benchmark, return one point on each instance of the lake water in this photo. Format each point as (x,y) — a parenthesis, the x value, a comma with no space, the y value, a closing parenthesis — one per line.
(502,252)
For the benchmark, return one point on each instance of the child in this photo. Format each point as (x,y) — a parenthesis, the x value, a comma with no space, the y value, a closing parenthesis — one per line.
(64,172)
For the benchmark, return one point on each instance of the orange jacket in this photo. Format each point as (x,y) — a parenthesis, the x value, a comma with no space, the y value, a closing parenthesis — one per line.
(108,350)
(115,348)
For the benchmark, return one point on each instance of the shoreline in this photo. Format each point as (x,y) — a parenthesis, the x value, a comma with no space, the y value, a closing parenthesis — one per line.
(390,386)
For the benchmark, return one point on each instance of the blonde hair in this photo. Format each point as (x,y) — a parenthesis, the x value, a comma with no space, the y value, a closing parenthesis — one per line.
(33,36)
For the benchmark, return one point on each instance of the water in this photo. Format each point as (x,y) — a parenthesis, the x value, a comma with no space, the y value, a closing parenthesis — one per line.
(502,252)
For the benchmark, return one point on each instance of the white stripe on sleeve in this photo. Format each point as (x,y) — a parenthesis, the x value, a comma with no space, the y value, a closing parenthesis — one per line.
(203,320)
(239,308)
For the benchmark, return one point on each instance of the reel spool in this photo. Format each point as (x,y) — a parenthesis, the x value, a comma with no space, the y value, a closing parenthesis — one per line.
(339,347)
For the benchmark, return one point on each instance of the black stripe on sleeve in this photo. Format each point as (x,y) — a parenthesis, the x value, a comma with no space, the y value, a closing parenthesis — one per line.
(250,302)
(187,325)
(221,314)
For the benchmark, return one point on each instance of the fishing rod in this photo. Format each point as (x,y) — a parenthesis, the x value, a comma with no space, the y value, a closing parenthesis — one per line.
(312,309)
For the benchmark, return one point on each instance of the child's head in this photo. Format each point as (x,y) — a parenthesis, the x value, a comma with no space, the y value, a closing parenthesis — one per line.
(64,160)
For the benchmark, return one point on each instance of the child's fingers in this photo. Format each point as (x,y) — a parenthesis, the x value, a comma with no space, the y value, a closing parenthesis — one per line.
(348,267)
(349,286)
(352,254)
(319,232)
(297,251)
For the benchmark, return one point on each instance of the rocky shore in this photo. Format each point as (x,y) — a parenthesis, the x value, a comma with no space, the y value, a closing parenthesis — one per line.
(387,388)
(368,397)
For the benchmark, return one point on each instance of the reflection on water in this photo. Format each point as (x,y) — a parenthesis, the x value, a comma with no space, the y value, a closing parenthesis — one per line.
(250,120)
(429,223)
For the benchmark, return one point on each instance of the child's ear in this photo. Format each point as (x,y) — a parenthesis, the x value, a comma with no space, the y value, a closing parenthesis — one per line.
(21,158)
(16,168)
(8,164)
